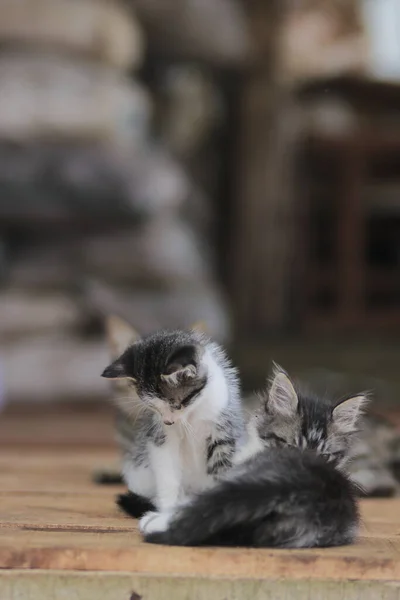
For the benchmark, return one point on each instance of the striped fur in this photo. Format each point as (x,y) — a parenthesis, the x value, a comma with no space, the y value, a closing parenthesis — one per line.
(288,489)
(179,417)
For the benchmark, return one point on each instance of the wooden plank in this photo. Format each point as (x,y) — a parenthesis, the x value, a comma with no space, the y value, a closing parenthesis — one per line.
(52,518)
(104,549)
(85,531)
(63,511)
(79,527)
(40,585)
(57,470)
(88,425)
(93,505)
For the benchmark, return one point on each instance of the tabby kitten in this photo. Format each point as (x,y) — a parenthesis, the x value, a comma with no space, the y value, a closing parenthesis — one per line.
(288,489)
(180,418)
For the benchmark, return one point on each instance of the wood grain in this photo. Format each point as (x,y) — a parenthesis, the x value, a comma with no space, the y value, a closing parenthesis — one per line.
(53,518)
(70,523)
(89,585)
(80,425)
(95,548)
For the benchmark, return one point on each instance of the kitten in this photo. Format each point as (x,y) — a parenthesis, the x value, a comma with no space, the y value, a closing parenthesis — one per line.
(179,421)
(291,490)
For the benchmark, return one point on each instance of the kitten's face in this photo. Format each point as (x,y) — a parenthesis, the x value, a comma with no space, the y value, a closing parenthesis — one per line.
(289,418)
(164,371)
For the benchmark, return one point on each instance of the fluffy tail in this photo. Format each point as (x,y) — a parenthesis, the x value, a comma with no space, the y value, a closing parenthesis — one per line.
(226,515)
(275,509)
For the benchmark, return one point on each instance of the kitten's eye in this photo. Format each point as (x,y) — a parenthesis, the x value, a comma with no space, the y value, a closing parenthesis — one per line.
(333,456)
(338,455)
(279,440)
(188,399)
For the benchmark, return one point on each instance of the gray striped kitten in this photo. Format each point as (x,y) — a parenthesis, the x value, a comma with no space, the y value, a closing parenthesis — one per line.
(179,418)
(289,488)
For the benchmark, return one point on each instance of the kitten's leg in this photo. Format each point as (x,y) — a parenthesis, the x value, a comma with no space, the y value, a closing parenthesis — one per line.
(220,450)
(153,522)
(139,479)
(166,466)
(158,522)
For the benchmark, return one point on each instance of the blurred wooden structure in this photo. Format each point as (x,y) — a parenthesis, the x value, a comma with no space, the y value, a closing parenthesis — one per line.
(293,42)
(62,535)
(342,168)
(260,256)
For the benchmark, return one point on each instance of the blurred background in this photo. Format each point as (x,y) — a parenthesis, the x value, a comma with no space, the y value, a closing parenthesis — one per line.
(235,162)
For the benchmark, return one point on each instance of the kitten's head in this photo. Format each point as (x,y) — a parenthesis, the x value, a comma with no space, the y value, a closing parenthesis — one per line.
(290,417)
(165,371)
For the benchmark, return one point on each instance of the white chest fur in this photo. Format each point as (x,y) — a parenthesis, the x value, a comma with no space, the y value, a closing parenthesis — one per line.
(187,446)
(179,464)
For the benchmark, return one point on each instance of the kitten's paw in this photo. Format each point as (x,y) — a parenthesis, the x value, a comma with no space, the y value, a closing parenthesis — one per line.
(147,518)
(153,522)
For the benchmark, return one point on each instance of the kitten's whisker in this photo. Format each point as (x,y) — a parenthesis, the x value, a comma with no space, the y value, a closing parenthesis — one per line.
(187,430)
(137,414)
(130,398)
(130,402)
(190,430)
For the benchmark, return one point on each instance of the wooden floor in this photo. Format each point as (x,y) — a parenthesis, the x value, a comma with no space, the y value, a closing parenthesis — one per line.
(62,537)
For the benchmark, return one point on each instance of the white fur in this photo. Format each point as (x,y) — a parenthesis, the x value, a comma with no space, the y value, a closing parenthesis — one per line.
(154,521)
(215,396)
(139,479)
(252,446)
(178,466)
(166,465)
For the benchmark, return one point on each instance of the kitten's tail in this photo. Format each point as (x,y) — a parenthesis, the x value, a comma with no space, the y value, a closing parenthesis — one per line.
(224,515)
(259,513)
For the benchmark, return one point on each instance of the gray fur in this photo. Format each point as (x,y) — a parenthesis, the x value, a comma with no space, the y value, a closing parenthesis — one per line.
(293,492)
(311,422)
(171,371)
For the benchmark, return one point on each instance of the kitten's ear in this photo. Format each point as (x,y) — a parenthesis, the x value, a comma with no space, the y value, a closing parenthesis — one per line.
(199,326)
(120,335)
(282,397)
(181,365)
(347,413)
(115,370)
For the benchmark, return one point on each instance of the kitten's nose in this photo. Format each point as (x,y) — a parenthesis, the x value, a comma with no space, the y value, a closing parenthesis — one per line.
(168,422)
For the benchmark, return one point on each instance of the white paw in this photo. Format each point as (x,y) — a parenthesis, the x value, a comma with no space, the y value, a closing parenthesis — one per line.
(147,518)
(153,522)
